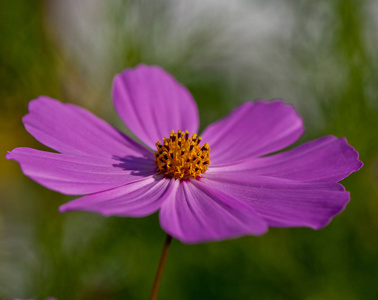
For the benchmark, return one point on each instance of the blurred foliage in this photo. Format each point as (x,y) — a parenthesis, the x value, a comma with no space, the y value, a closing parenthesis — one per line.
(332,79)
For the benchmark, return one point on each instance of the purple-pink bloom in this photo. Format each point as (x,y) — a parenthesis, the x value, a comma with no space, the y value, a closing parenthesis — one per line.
(242,191)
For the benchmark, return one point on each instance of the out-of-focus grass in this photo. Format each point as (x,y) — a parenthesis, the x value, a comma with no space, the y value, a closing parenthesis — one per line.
(84,256)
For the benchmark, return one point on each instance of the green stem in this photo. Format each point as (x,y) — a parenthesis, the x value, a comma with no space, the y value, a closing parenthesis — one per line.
(159,272)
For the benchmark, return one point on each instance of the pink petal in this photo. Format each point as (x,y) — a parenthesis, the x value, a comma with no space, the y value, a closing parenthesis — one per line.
(251,130)
(196,212)
(325,159)
(282,202)
(77,175)
(152,103)
(136,199)
(70,129)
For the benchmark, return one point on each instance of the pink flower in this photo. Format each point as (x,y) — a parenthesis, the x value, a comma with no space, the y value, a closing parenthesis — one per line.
(220,187)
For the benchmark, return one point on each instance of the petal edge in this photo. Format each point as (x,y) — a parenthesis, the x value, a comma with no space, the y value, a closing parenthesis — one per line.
(152,103)
(253,129)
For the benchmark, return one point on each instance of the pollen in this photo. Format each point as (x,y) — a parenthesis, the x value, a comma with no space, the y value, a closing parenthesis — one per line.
(181,156)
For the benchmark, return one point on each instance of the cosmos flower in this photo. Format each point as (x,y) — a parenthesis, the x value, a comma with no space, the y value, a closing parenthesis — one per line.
(218,186)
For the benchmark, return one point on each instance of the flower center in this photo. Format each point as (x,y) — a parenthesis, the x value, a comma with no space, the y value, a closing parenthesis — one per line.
(181,156)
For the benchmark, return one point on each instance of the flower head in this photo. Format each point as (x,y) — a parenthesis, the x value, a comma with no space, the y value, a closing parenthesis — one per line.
(181,156)
(211,188)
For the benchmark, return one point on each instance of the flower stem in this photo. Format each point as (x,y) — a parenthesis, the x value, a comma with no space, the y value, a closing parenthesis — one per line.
(159,272)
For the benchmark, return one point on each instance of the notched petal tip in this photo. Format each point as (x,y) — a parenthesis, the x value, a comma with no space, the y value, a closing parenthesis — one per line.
(37,103)
(328,220)
(278,102)
(351,154)
(8,155)
(13,154)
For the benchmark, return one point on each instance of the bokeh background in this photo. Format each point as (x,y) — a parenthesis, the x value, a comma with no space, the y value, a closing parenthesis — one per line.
(321,56)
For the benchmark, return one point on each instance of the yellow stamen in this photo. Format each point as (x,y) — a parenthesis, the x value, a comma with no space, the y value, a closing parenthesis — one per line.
(181,156)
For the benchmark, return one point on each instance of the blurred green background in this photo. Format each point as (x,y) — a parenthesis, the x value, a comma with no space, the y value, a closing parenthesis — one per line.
(321,56)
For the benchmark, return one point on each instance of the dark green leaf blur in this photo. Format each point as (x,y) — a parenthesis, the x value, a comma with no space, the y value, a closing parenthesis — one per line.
(321,56)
